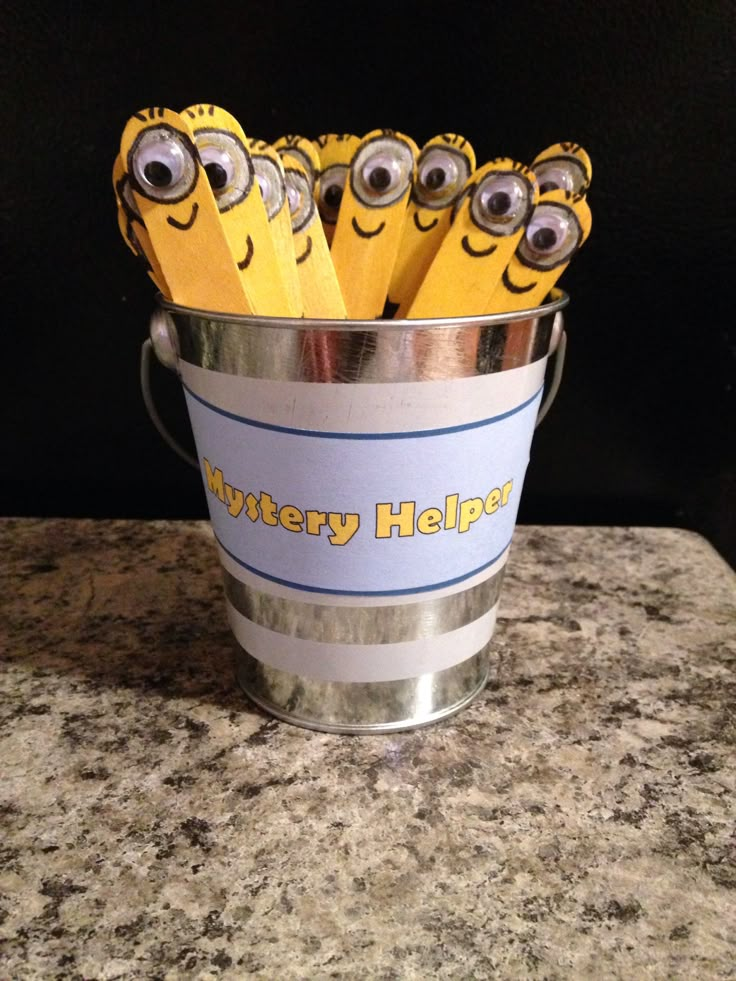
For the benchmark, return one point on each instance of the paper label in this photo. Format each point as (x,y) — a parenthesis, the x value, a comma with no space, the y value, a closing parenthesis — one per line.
(370,513)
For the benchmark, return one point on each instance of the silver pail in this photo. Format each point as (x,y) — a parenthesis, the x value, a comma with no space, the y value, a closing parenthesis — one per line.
(363,480)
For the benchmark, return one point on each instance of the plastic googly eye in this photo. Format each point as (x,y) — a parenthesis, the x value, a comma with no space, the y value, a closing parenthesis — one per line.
(551,237)
(563,173)
(381,172)
(227,164)
(331,186)
(162,164)
(501,202)
(271,183)
(301,203)
(441,176)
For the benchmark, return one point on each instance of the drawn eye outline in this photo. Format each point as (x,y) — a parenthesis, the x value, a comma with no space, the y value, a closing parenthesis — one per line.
(336,175)
(388,153)
(167,145)
(548,215)
(218,146)
(570,167)
(509,182)
(447,195)
(297,184)
(267,174)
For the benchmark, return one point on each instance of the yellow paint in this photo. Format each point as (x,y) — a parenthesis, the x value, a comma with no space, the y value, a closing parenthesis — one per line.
(321,294)
(270,176)
(445,165)
(488,225)
(372,211)
(336,150)
(299,149)
(563,165)
(559,225)
(178,208)
(132,228)
(223,151)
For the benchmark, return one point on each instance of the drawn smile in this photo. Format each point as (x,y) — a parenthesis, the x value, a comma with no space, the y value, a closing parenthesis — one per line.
(363,233)
(476,253)
(307,251)
(244,263)
(184,225)
(511,287)
(424,228)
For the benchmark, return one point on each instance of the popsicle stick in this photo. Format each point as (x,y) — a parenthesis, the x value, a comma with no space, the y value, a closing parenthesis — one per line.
(563,165)
(372,210)
(175,201)
(336,150)
(300,150)
(223,151)
(559,225)
(270,177)
(445,165)
(488,225)
(320,289)
(132,228)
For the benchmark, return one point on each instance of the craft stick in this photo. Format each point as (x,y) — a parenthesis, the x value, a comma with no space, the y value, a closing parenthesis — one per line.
(175,201)
(270,176)
(132,228)
(301,150)
(559,225)
(222,147)
(444,167)
(371,216)
(336,150)
(563,165)
(488,224)
(320,289)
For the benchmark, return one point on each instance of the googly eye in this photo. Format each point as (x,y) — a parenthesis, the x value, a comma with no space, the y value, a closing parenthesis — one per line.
(301,203)
(441,176)
(331,187)
(381,171)
(227,164)
(271,183)
(560,173)
(163,165)
(551,237)
(501,202)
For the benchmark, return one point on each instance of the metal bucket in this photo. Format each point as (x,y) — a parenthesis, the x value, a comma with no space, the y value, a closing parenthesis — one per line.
(363,480)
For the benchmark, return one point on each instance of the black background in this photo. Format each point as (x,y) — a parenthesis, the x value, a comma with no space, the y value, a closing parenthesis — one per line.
(642,431)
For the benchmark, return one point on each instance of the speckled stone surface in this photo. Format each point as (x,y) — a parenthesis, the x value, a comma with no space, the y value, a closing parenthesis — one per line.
(576,821)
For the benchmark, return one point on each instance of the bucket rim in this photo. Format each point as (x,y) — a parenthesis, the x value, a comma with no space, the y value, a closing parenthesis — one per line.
(559,299)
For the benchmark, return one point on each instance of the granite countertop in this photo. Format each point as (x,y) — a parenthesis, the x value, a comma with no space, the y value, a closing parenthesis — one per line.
(576,821)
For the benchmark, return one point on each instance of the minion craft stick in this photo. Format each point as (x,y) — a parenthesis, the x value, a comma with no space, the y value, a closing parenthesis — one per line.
(269,172)
(221,143)
(372,210)
(336,150)
(563,165)
(445,165)
(132,228)
(178,208)
(559,225)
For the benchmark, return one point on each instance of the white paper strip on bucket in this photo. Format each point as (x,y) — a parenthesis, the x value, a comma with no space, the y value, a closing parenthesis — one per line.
(362,662)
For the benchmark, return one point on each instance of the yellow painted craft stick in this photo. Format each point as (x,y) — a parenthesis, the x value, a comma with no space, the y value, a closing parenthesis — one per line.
(563,165)
(132,228)
(320,289)
(303,151)
(270,176)
(371,216)
(559,225)
(336,150)
(444,167)
(175,201)
(484,233)
(223,151)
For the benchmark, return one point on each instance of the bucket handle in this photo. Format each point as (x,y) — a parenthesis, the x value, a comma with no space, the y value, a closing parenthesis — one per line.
(163,343)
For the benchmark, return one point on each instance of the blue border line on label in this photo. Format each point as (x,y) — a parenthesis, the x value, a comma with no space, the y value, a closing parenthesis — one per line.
(361,592)
(415,434)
